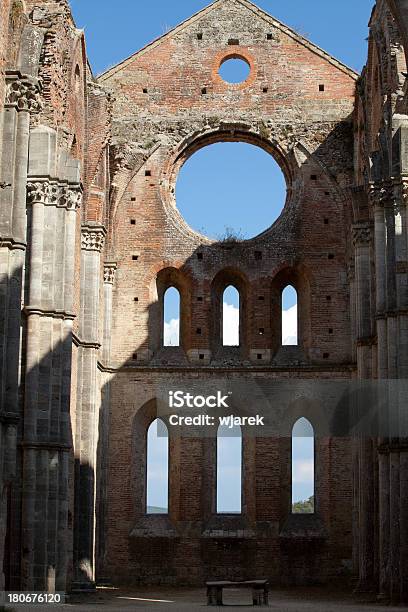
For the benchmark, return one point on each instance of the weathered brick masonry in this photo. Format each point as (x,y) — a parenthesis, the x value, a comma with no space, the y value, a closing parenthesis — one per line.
(160,117)
(89,220)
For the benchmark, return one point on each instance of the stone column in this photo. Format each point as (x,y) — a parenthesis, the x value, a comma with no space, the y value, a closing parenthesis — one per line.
(47,442)
(366,484)
(109,271)
(351,272)
(377,200)
(392,372)
(22,99)
(401,238)
(361,240)
(86,436)
(103,454)
(401,253)
(379,196)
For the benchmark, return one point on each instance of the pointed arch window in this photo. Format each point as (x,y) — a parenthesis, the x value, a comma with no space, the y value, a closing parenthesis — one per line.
(290,324)
(229,470)
(157,468)
(303,467)
(171,317)
(231,317)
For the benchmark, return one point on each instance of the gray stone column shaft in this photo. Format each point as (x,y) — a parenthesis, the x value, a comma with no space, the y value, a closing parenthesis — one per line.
(70,233)
(86,437)
(395,527)
(102,454)
(402,292)
(21,99)
(366,485)
(384,526)
(404,527)
(36,253)
(401,240)
(47,436)
(20,176)
(109,276)
(380,272)
(391,291)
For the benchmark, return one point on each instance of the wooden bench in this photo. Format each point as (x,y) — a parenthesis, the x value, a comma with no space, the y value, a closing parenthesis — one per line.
(260,591)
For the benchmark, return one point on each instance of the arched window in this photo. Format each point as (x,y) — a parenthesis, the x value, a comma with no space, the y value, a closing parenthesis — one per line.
(171,317)
(289,317)
(157,468)
(303,468)
(229,470)
(77,78)
(230,317)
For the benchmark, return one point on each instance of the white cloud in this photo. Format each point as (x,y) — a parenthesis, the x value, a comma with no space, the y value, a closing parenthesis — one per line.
(172,333)
(230,325)
(290,326)
(302,472)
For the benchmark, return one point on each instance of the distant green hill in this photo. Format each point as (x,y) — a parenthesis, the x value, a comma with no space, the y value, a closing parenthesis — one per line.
(156,510)
(304,507)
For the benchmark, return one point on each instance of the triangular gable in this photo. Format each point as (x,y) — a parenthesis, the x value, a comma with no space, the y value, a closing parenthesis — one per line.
(249,6)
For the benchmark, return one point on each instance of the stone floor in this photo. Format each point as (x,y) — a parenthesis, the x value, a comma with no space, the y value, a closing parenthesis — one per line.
(173,600)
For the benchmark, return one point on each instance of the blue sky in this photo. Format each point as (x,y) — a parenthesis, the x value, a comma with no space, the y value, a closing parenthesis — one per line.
(115,30)
(215,190)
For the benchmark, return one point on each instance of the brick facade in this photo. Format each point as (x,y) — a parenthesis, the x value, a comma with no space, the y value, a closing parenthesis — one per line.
(89,220)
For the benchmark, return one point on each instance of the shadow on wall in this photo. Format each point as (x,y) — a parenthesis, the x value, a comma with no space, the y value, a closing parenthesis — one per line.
(47,493)
(152,548)
(51,501)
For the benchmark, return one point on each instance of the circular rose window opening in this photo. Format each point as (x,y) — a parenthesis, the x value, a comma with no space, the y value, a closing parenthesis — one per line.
(234,70)
(230,191)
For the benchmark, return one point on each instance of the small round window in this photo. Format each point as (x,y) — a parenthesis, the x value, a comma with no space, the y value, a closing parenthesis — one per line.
(234,70)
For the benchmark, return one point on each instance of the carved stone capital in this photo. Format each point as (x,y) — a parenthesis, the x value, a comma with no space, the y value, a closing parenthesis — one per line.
(403,192)
(92,238)
(71,198)
(53,193)
(109,271)
(361,233)
(23,93)
(38,191)
(382,194)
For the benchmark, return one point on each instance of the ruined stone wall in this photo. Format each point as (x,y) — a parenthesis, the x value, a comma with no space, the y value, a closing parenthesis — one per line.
(306,130)
(45,130)
(168,102)
(380,241)
(96,268)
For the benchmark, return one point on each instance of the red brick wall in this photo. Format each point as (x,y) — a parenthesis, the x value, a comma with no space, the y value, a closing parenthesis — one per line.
(310,134)
(4,19)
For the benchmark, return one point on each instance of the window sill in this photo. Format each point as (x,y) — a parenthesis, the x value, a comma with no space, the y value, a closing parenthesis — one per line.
(304,527)
(228,526)
(154,526)
(170,355)
(290,355)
